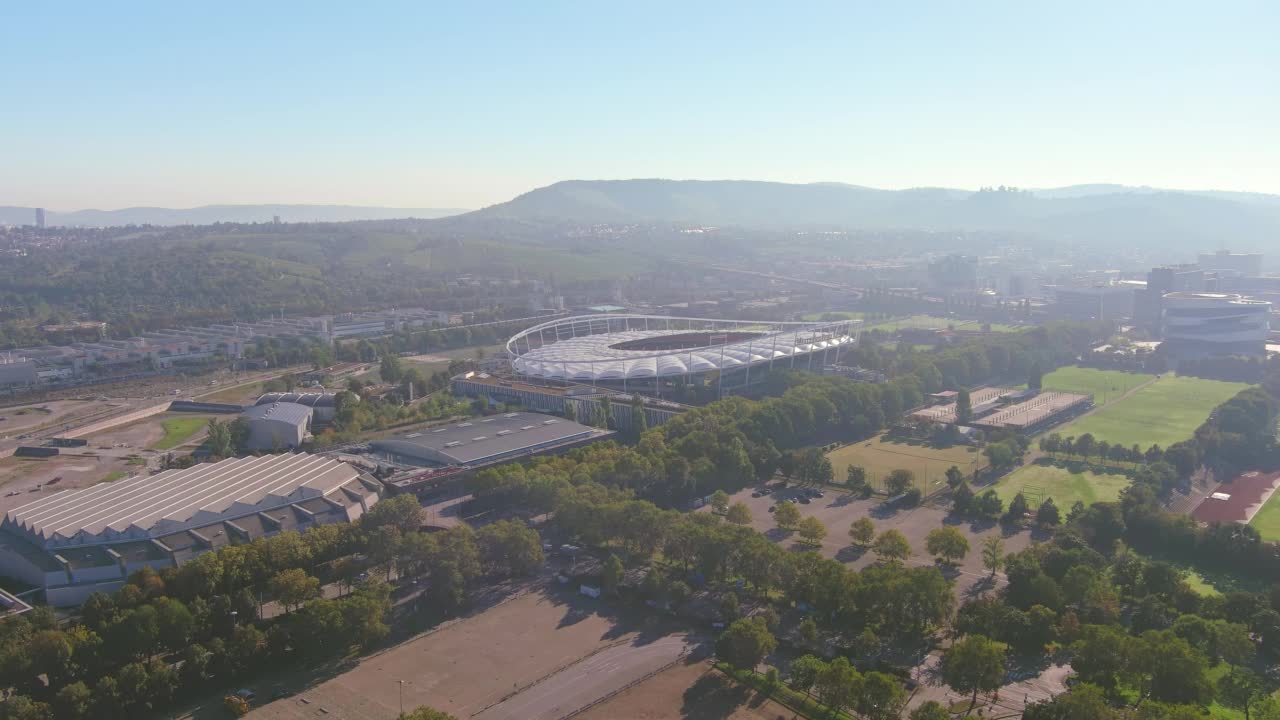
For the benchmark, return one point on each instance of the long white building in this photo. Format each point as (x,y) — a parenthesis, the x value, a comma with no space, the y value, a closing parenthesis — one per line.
(76,542)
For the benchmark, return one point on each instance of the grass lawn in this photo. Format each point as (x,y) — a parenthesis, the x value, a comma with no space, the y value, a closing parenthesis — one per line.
(1200,585)
(178,431)
(1164,412)
(880,457)
(1063,485)
(1267,520)
(114,475)
(925,322)
(842,314)
(1099,383)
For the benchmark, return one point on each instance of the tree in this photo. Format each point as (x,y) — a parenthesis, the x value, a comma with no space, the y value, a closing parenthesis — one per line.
(1047,514)
(389,368)
(862,532)
(855,477)
(786,515)
(930,710)
(1018,508)
(898,481)
(612,575)
(812,531)
(948,544)
(1035,376)
(805,671)
(962,500)
(639,420)
(730,607)
(882,697)
(745,643)
(739,514)
(720,502)
(955,476)
(993,553)
(73,701)
(838,684)
(403,512)
(989,504)
(808,629)
(1240,689)
(964,407)
(293,587)
(891,546)
(974,664)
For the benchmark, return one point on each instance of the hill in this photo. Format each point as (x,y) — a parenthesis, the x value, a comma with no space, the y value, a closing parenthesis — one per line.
(210,214)
(1085,214)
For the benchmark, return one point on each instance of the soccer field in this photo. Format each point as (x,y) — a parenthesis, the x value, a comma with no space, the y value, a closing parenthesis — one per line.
(879,457)
(1101,384)
(1065,487)
(1165,412)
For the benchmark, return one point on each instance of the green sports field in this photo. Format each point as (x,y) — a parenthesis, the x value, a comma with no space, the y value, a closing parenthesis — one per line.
(925,322)
(1165,412)
(1061,484)
(178,431)
(879,457)
(1101,384)
(1267,520)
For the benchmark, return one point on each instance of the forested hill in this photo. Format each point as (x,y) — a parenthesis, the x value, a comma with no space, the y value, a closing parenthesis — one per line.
(210,214)
(1103,214)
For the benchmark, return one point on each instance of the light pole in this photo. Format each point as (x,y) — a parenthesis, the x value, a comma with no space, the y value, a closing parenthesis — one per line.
(401,682)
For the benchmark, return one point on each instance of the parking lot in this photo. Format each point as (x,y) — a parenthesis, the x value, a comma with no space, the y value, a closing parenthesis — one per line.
(837,510)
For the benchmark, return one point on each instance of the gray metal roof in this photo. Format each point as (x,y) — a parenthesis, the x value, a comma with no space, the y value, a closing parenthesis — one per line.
(310,399)
(479,439)
(144,506)
(281,411)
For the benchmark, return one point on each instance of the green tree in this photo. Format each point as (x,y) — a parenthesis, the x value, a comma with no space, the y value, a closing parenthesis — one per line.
(964,407)
(805,671)
(899,481)
(293,587)
(808,629)
(891,546)
(739,514)
(389,368)
(612,575)
(786,515)
(1047,514)
(972,665)
(947,544)
(639,420)
(882,697)
(954,477)
(838,685)
(1018,508)
(720,502)
(930,710)
(745,643)
(862,532)
(1241,689)
(812,531)
(1035,376)
(855,477)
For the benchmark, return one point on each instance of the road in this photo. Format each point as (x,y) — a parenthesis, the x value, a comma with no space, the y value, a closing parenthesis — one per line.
(590,680)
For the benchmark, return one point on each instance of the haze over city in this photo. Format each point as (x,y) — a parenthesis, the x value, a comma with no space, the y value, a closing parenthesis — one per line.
(414,105)
(710,361)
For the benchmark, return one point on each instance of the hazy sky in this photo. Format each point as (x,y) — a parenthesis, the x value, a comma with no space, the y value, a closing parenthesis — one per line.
(112,104)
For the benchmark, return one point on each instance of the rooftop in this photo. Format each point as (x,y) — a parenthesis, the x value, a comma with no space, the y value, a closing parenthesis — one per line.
(181,499)
(476,440)
(282,411)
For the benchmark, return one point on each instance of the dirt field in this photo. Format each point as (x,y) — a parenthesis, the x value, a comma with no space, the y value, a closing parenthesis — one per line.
(466,667)
(38,417)
(837,511)
(880,456)
(689,690)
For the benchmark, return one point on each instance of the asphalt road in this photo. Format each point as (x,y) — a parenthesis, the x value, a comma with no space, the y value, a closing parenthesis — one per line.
(589,680)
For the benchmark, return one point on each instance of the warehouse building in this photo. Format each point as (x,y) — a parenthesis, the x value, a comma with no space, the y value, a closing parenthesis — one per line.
(324,405)
(486,441)
(559,398)
(277,426)
(77,542)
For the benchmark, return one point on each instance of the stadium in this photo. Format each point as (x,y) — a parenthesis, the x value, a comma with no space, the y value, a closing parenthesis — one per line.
(650,354)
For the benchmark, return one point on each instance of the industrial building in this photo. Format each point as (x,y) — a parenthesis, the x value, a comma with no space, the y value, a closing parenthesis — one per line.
(1225,262)
(486,441)
(77,542)
(277,426)
(1216,323)
(1098,302)
(559,398)
(324,405)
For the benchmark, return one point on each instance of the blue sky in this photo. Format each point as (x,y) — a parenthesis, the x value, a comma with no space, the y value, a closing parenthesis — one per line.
(467,104)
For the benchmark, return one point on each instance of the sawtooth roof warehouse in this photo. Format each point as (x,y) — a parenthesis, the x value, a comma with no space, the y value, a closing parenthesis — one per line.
(77,542)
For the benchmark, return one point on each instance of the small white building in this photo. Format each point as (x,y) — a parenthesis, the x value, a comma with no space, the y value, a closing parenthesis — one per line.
(278,425)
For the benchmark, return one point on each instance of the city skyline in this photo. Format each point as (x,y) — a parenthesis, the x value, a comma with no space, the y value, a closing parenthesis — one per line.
(398,105)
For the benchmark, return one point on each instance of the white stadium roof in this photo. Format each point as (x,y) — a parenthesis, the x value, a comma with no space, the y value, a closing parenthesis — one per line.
(151,505)
(585,348)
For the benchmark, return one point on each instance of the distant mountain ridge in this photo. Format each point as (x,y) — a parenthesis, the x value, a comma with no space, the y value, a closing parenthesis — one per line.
(209,214)
(1089,213)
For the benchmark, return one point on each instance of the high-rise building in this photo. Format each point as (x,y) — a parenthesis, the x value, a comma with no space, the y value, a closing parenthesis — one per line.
(1226,262)
(954,272)
(40,218)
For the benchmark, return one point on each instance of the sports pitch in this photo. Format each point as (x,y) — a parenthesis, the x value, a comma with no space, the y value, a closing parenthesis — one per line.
(1164,412)
(879,457)
(1101,384)
(1063,485)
